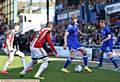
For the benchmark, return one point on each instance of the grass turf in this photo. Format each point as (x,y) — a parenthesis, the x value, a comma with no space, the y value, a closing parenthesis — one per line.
(53,73)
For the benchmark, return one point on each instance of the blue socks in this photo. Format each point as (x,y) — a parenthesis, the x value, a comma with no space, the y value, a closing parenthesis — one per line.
(114,63)
(101,60)
(85,59)
(68,62)
(112,60)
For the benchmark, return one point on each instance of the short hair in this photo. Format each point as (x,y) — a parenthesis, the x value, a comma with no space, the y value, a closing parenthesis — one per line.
(47,25)
(73,17)
(102,21)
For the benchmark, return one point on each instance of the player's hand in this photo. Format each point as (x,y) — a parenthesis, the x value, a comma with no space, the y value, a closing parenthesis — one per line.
(65,46)
(84,34)
(57,55)
(99,42)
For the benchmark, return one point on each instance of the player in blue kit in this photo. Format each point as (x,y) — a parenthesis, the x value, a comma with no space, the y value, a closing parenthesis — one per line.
(106,44)
(71,40)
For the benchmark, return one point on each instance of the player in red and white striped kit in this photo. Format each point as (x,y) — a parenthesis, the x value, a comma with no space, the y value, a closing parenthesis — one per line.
(37,51)
(9,50)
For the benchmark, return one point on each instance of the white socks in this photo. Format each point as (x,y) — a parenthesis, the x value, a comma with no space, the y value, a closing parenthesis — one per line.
(24,63)
(9,61)
(42,67)
(6,65)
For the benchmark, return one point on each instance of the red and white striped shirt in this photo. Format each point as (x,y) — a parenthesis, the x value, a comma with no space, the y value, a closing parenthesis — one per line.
(10,37)
(40,38)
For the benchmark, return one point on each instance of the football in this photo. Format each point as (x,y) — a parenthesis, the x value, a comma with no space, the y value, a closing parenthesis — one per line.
(78,68)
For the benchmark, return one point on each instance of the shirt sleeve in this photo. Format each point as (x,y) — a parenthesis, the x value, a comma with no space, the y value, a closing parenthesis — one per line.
(50,42)
(70,28)
(107,31)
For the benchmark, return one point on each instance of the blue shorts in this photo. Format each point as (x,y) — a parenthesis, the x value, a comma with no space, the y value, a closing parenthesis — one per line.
(74,46)
(106,47)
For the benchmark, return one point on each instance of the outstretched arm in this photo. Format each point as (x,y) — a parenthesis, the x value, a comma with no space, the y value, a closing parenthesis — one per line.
(81,33)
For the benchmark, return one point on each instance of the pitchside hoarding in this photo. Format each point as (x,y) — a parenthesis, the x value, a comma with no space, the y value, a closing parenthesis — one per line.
(66,53)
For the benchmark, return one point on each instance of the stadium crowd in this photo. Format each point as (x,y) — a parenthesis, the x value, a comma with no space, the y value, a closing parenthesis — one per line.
(92,38)
(77,4)
(95,6)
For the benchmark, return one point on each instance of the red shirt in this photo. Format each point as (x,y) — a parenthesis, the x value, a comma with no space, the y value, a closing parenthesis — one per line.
(40,38)
(10,37)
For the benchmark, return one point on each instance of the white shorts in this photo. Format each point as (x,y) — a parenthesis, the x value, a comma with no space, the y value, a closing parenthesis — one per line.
(38,53)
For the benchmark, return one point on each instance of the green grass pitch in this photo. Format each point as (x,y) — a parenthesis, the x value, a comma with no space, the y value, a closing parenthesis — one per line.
(53,73)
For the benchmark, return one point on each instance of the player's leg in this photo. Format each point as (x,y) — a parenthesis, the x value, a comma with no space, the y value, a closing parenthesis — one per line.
(29,67)
(31,64)
(8,63)
(85,59)
(35,53)
(102,50)
(113,62)
(100,59)
(43,66)
(110,55)
(68,61)
(23,60)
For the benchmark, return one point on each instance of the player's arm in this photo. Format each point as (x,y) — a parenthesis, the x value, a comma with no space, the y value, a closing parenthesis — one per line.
(65,39)
(50,42)
(81,33)
(109,36)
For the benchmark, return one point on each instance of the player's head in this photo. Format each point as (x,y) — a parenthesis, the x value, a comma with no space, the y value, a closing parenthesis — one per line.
(15,27)
(102,23)
(50,25)
(74,19)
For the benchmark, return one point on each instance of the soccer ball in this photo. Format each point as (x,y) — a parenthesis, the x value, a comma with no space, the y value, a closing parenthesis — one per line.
(78,68)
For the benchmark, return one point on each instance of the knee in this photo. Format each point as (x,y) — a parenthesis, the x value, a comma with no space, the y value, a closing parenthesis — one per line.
(21,54)
(45,63)
(110,55)
(101,53)
(46,59)
(83,51)
(72,54)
